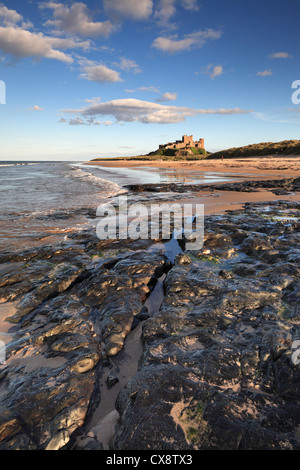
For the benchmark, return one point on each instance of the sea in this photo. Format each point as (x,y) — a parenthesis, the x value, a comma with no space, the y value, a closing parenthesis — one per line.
(44,201)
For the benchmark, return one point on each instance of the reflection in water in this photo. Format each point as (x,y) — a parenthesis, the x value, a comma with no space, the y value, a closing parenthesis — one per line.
(157,175)
(185,176)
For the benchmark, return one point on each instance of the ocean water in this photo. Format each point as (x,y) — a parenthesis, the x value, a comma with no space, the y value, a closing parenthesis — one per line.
(43,200)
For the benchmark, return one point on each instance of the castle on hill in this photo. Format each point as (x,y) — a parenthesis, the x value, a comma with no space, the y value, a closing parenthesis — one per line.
(187,141)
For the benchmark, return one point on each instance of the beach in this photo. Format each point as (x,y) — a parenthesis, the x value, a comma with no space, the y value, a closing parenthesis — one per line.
(145,344)
(258,167)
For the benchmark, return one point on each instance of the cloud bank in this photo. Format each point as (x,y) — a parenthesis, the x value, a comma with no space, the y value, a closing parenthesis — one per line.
(100,74)
(76,19)
(190,41)
(133,110)
(18,41)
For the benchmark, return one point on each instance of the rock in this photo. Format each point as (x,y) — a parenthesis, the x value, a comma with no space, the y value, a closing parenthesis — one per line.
(117,296)
(111,381)
(144,314)
(85,362)
(218,367)
(225,274)
(58,441)
(41,425)
(285,185)
(69,342)
(182,259)
(56,281)
(88,443)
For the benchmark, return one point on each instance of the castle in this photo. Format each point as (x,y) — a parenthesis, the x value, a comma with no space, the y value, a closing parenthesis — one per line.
(187,141)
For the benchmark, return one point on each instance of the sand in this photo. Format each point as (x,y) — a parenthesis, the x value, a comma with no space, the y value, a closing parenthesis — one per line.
(221,201)
(106,416)
(256,168)
(259,167)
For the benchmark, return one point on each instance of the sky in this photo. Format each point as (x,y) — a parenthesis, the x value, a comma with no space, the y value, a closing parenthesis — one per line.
(111,78)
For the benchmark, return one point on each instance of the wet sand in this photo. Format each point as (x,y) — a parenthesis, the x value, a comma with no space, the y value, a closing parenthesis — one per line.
(218,202)
(124,366)
(259,167)
(252,168)
(6,328)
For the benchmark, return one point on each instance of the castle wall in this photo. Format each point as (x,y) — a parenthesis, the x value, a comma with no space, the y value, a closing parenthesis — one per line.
(186,141)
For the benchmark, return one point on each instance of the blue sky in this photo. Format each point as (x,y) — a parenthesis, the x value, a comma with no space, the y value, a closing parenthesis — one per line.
(119,77)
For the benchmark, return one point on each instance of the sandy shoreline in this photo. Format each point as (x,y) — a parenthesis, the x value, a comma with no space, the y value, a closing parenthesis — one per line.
(32,357)
(259,167)
(221,201)
(256,168)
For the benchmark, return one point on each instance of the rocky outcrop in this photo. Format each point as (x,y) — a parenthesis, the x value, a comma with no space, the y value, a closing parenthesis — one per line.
(70,314)
(279,186)
(219,367)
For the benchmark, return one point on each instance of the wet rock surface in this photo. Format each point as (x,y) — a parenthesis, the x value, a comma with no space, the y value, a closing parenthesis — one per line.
(73,307)
(219,368)
(280,186)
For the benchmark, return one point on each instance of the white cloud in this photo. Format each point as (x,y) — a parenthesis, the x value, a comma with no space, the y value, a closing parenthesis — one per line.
(167,97)
(76,122)
(36,107)
(94,100)
(21,43)
(133,110)
(68,43)
(216,72)
(191,5)
(128,65)
(17,40)
(265,73)
(213,72)
(143,9)
(147,89)
(133,9)
(166,9)
(9,17)
(271,118)
(280,55)
(91,121)
(100,73)
(76,19)
(189,41)
(152,89)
